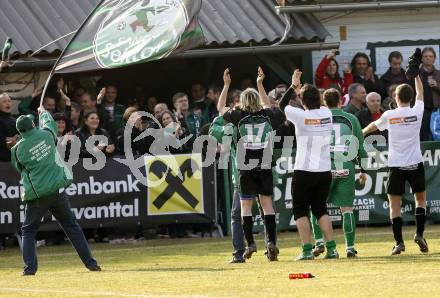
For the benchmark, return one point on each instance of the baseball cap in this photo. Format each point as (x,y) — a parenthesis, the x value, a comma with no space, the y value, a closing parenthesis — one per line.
(24,123)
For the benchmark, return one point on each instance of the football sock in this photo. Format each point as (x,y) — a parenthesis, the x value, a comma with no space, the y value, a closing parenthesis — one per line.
(271,227)
(397,229)
(317,234)
(349,226)
(247,229)
(420,220)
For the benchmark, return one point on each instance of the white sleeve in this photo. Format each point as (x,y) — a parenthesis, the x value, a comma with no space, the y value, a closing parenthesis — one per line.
(419,106)
(293,114)
(382,122)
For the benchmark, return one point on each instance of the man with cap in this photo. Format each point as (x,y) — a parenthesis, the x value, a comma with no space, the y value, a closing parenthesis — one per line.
(43,173)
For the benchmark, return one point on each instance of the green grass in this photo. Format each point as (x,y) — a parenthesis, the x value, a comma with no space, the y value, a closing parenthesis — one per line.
(198,267)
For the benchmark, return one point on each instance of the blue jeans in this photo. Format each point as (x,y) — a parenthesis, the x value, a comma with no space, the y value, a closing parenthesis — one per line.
(60,209)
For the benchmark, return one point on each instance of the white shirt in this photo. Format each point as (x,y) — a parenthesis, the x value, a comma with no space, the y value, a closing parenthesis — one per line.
(313,129)
(403,126)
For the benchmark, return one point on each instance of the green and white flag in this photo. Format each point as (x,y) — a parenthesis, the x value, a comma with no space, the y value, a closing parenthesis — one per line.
(125,32)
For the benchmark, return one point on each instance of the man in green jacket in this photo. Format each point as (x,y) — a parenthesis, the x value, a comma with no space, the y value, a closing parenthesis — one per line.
(43,173)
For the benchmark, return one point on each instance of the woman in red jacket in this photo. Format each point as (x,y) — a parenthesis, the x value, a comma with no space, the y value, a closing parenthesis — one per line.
(327,75)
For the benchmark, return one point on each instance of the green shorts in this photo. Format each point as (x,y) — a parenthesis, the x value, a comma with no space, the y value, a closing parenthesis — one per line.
(342,188)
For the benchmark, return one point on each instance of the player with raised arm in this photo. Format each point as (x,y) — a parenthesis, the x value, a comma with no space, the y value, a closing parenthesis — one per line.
(405,161)
(347,147)
(253,119)
(312,175)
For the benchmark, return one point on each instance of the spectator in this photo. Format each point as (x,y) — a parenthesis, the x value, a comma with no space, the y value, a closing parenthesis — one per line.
(91,128)
(395,75)
(198,93)
(109,111)
(363,73)
(8,132)
(181,105)
(158,110)
(77,94)
(213,96)
(151,103)
(389,103)
(431,86)
(327,75)
(233,99)
(173,128)
(357,95)
(75,116)
(50,104)
(62,124)
(372,112)
(276,94)
(133,119)
(88,103)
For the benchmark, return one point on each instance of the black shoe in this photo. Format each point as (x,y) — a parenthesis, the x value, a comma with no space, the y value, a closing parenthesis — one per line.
(397,249)
(414,62)
(249,251)
(351,253)
(421,242)
(272,252)
(28,273)
(236,260)
(94,267)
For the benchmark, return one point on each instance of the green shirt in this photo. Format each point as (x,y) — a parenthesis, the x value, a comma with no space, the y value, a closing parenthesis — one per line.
(346,128)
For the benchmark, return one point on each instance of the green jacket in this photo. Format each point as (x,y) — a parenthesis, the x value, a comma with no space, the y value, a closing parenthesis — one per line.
(37,160)
(218,129)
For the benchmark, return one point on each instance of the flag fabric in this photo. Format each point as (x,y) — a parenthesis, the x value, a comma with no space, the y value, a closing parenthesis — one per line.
(125,32)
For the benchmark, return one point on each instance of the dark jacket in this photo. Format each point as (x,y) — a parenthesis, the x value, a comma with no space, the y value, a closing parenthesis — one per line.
(114,126)
(7,130)
(369,85)
(83,134)
(365,119)
(388,79)
(431,94)
(37,160)
(138,148)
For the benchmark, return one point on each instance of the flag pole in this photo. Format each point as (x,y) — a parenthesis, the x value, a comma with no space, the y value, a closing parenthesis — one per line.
(52,72)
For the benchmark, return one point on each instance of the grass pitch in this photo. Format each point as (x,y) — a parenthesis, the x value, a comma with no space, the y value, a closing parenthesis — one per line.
(199,268)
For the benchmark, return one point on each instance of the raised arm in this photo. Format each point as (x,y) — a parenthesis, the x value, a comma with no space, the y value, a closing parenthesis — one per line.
(419,88)
(265,101)
(294,89)
(221,105)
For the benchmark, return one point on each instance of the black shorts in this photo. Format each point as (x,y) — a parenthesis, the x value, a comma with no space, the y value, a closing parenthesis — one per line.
(397,178)
(310,191)
(256,182)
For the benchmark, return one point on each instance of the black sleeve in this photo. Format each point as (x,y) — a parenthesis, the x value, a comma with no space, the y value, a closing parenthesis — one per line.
(284,102)
(233,116)
(67,113)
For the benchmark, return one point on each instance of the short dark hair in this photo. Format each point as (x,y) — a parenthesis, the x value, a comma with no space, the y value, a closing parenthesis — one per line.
(395,54)
(405,93)
(353,89)
(179,95)
(310,97)
(429,49)
(332,97)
